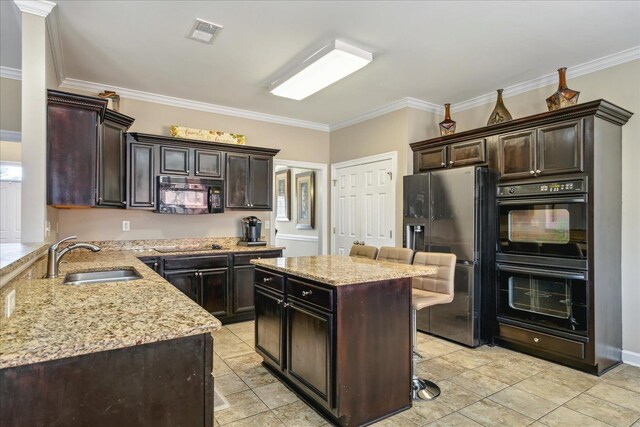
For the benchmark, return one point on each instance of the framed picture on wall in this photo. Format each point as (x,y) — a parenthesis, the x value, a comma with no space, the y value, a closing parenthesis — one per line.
(283,195)
(305,199)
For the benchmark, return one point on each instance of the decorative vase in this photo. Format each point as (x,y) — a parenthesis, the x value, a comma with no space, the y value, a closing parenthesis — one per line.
(500,113)
(447,126)
(564,97)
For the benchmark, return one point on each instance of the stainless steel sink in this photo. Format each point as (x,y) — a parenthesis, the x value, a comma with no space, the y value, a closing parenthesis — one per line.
(91,277)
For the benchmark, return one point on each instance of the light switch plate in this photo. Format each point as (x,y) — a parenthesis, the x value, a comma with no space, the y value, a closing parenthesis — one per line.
(126,226)
(267,225)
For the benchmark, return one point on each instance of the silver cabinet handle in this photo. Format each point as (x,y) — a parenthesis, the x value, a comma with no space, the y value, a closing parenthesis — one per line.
(532,172)
(536,339)
(267,279)
(451,162)
(155,265)
(279,301)
(286,304)
(538,171)
(442,164)
(305,293)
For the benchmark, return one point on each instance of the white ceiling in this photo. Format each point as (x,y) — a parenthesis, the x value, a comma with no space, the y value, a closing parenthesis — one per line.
(433,51)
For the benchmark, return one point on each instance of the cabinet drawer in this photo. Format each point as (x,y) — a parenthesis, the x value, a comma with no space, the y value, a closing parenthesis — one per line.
(542,341)
(245,259)
(310,293)
(270,280)
(196,262)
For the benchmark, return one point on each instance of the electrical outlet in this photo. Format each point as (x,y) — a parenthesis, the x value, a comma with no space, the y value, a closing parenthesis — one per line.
(267,225)
(126,226)
(47,229)
(10,303)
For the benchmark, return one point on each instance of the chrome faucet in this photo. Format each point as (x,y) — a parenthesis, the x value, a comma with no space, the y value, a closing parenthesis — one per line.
(54,257)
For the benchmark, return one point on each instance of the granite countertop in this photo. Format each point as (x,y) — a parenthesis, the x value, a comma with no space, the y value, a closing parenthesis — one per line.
(54,321)
(337,270)
(14,255)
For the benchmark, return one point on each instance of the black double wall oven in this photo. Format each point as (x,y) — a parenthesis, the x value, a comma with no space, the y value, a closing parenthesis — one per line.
(541,258)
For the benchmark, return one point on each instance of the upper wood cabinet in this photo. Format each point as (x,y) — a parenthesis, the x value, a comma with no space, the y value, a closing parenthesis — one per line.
(208,163)
(248,181)
(174,160)
(467,153)
(142,175)
(432,158)
(73,134)
(112,159)
(517,154)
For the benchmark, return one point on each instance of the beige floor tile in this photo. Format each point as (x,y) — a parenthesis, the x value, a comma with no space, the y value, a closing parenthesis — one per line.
(524,402)
(548,390)
(244,362)
(275,395)
(454,420)
(602,410)
(219,367)
(626,378)
(230,384)
(632,370)
(397,420)
(572,378)
(507,371)
(434,348)
(564,417)
(489,414)
(616,395)
(240,327)
(422,413)
(242,405)
(263,419)
(257,377)
(456,397)
(469,359)
(299,414)
(478,383)
(228,350)
(247,336)
(437,369)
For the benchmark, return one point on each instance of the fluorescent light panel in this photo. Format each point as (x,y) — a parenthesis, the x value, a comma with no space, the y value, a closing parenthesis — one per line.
(333,62)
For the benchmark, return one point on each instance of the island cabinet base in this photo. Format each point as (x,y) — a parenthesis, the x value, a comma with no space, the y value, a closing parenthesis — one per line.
(166,383)
(344,349)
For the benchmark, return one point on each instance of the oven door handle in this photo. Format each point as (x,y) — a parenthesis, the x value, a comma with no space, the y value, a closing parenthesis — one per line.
(546,200)
(560,274)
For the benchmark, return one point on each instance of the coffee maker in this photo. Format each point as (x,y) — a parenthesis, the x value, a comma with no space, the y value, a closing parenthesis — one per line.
(251,229)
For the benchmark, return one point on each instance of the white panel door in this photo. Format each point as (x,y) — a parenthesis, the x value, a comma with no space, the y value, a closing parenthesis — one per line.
(10,211)
(365,202)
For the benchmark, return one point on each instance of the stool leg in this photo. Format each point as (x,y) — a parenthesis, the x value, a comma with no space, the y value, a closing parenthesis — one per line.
(421,389)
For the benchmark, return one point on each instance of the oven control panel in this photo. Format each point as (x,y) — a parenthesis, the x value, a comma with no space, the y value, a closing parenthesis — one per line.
(539,188)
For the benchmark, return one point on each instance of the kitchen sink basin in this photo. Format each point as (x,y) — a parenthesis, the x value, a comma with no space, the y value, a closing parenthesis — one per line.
(104,276)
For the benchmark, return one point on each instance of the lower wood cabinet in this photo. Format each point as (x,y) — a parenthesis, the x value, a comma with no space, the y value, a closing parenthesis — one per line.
(185,281)
(213,294)
(269,324)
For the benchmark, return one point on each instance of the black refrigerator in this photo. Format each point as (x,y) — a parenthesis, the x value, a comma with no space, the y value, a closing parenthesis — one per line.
(449,211)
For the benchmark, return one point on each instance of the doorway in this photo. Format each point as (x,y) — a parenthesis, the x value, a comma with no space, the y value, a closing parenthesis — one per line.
(10,202)
(364,202)
(300,216)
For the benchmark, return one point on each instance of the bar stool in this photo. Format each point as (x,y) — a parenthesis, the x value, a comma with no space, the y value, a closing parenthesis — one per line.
(363,251)
(429,291)
(399,255)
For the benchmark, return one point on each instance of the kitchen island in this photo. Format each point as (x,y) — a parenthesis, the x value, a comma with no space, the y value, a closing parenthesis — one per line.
(337,330)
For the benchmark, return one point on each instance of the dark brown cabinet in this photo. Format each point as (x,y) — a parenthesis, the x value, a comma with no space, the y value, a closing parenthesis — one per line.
(208,163)
(186,282)
(112,159)
(546,150)
(432,158)
(248,181)
(174,160)
(141,172)
(467,153)
(213,285)
(269,324)
(242,303)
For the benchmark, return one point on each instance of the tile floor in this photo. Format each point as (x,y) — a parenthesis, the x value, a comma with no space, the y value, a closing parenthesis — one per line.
(487,386)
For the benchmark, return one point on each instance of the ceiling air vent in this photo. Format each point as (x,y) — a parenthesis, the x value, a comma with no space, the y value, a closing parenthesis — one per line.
(203,31)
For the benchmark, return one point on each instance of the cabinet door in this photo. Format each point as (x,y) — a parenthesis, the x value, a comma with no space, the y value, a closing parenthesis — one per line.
(309,349)
(242,288)
(517,152)
(152,263)
(432,158)
(214,290)
(174,160)
(111,168)
(261,172)
(208,163)
(142,176)
(269,326)
(467,153)
(560,148)
(186,281)
(237,182)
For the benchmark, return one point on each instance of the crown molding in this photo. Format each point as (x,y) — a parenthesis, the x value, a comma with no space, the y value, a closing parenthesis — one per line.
(389,108)
(10,135)
(56,45)
(35,7)
(192,105)
(552,78)
(10,73)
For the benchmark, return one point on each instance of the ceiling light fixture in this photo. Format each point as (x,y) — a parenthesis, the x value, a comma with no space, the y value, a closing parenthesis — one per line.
(203,31)
(326,66)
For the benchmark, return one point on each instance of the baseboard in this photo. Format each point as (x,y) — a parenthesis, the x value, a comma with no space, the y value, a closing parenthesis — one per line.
(631,358)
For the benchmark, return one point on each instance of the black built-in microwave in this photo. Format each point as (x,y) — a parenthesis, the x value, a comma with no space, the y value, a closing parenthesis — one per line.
(181,195)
